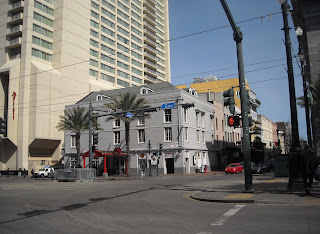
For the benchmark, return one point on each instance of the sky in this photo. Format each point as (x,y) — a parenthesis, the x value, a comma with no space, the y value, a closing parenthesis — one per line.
(214,52)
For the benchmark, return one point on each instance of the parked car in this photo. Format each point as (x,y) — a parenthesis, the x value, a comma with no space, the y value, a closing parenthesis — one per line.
(234,168)
(259,168)
(44,172)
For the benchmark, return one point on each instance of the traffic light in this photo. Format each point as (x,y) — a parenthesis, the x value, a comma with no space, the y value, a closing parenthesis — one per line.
(3,126)
(229,100)
(234,121)
(95,138)
(160,149)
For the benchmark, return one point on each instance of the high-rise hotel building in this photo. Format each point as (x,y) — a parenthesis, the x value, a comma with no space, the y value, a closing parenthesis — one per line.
(54,52)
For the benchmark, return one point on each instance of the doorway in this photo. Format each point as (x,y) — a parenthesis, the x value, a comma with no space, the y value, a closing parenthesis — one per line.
(170,165)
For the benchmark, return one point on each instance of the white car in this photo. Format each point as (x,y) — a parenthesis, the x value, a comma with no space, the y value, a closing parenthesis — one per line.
(44,172)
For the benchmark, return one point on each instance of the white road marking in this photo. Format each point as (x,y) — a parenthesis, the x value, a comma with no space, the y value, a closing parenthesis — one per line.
(227,215)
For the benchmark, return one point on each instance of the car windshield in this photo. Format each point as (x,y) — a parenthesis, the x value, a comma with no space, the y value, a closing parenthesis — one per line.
(41,170)
(233,165)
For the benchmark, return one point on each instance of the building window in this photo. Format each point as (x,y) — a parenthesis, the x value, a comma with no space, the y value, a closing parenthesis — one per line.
(73,141)
(197,118)
(203,137)
(217,141)
(222,126)
(198,136)
(217,124)
(142,136)
(212,123)
(186,134)
(202,120)
(167,115)
(167,134)
(212,139)
(116,123)
(141,121)
(116,138)
(185,115)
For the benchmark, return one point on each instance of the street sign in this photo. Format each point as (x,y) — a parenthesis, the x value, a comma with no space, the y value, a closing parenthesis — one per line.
(170,105)
(129,115)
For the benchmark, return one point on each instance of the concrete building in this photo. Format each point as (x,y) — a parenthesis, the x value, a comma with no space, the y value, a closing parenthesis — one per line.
(268,133)
(187,134)
(230,137)
(306,15)
(54,52)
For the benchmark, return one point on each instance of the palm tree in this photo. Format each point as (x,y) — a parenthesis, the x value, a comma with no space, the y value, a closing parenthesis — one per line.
(127,102)
(75,120)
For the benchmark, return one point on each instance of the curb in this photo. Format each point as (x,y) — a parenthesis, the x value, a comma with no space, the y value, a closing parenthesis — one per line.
(249,201)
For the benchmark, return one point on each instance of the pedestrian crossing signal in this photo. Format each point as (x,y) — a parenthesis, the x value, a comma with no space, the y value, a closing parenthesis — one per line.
(234,121)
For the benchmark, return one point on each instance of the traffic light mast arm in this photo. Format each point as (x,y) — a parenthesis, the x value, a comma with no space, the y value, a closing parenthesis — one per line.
(245,109)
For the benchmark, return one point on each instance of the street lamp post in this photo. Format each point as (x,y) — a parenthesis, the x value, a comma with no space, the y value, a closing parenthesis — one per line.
(301,56)
(295,145)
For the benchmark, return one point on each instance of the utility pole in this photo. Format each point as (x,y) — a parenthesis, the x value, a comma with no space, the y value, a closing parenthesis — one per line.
(293,105)
(295,145)
(301,56)
(245,106)
(149,148)
(90,135)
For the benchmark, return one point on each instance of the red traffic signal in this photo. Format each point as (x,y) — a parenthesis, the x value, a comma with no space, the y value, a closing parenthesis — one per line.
(234,121)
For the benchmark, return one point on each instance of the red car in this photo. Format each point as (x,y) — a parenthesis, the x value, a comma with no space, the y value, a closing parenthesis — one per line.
(234,168)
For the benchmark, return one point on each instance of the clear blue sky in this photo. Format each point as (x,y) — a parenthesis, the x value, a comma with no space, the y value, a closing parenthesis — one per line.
(204,54)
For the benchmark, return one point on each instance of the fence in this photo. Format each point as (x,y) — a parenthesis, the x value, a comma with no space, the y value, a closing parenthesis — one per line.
(75,174)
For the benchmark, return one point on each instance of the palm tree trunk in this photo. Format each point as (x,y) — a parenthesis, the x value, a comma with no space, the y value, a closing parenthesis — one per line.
(78,148)
(127,132)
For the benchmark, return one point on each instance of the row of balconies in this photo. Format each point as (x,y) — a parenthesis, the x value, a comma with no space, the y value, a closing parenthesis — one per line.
(151,64)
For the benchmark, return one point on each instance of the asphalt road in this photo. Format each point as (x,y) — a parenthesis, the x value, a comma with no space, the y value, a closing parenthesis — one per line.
(144,205)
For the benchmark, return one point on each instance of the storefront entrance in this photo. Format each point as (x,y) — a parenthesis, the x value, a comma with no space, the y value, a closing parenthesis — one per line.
(170,165)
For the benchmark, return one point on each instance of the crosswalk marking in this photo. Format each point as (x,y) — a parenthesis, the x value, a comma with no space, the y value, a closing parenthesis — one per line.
(227,215)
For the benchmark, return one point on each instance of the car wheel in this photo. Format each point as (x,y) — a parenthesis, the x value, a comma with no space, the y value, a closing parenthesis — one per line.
(226,173)
(42,175)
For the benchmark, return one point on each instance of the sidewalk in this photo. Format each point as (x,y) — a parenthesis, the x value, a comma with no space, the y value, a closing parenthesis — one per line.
(266,191)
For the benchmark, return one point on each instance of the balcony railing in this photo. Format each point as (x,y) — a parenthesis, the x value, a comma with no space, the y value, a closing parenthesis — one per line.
(153,42)
(150,71)
(150,34)
(154,65)
(14,29)
(14,42)
(151,78)
(150,12)
(16,5)
(150,19)
(15,17)
(150,48)
(147,54)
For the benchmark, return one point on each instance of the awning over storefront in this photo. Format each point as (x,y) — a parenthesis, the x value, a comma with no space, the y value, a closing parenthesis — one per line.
(105,154)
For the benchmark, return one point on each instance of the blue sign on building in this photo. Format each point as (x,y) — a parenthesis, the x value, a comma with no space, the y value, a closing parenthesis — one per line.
(170,105)
(129,115)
